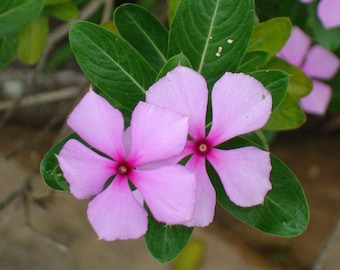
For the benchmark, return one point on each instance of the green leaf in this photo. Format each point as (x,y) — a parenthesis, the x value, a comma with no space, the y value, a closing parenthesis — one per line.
(191,257)
(49,166)
(172,7)
(270,36)
(64,11)
(7,50)
(165,242)
(287,116)
(119,72)
(177,60)
(14,14)
(299,84)
(213,34)
(32,40)
(252,61)
(54,2)
(144,32)
(285,211)
(275,81)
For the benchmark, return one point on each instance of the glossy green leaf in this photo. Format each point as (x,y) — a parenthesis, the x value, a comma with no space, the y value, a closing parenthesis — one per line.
(119,72)
(177,60)
(287,116)
(49,167)
(252,61)
(144,32)
(64,11)
(299,84)
(213,34)
(165,242)
(7,50)
(14,14)
(32,40)
(285,211)
(270,36)
(275,81)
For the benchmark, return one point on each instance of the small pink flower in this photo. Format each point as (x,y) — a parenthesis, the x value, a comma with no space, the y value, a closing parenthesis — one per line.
(328,12)
(125,157)
(316,62)
(240,104)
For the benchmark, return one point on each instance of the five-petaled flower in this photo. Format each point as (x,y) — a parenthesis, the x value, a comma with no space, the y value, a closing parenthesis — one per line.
(240,104)
(127,159)
(316,62)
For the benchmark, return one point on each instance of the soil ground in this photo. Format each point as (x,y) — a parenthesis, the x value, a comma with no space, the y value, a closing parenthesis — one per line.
(59,236)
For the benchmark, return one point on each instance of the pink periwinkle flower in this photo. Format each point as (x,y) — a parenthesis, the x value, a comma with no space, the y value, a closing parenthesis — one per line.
(240,104)
(317,62)
(328,12)
(127,157)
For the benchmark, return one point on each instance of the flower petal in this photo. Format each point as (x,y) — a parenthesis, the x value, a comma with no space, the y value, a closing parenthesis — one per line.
(328,12)
(99,124)
(205,193)
(156,134)
(321,63)
(240,104)
(244,173)
(316,102)
(84,170)
(115,214)
(185,91)
(168,191)
(296,47)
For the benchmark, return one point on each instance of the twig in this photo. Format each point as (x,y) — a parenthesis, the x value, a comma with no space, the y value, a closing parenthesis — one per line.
(29,144)
(107,12)
(19,190)
(42,98)
(325,251)
(61,32)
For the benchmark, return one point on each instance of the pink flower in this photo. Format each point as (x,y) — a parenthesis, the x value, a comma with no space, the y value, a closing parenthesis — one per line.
(316,62)
(240,104)
(125,157)
(328,12)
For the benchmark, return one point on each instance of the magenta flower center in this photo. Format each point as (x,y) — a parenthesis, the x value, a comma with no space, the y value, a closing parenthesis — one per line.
(202,147)
(123,168)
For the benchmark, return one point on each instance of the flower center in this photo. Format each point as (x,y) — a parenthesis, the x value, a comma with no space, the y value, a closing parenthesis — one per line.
(123,168)
(202,147)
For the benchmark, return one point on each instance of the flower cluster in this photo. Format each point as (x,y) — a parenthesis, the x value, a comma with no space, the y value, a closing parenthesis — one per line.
(316,62)
(328,12)
(123,169)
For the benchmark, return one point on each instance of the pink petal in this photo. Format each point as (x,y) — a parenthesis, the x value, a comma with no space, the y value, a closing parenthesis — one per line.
(168,191)
(156,134)
(316,102)
(296,47)
(205,193)
(115,214)
(244,173)
(240,104)
(328,12)
(321,63)
(99,124)
(185,91)
(84,170)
